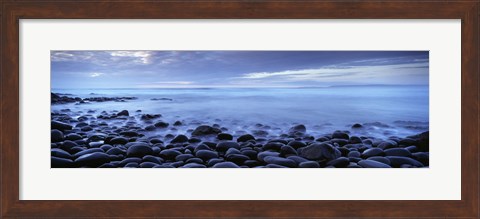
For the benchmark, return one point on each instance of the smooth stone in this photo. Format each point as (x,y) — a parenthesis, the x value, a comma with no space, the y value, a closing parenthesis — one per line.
(194,160)
(169,154)
(201,147)
(224,146)
(205,130)
(123,113)
(179,139)
(276,146)
(262,155)
(402,152)
(340,135)
(161,124)
(118,140)
(387,144)
(115,151)
(412,149)
(397,161)
(317,151)
(372,164)
(95,144)
(275,166)
(353,165)
(57,152)
(224,136)
(131,165)
(297,144)
(354,154)
(56,135)
(246,137)
(60,126)
(129,133)
(297,159)
(423,157)
(92,160)
(355,140)
(206,154)
(232,151)
(252,163)
(73,137)
(139,150)
(106,147)
(298,129)
(129,160)
(150,127)
(183,157)
(380,159)
(152,159)
(252,154)
(214,161)
(356,126)
(309,164)
(225,165)
(237,158)
(372,152)
(147,164)
(339,162)
(87,151)
(177,123)
(280,161)
(193,165)
(86,129)
(58,162)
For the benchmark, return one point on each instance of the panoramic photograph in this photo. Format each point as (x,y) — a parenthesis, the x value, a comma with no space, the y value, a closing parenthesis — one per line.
(239,109)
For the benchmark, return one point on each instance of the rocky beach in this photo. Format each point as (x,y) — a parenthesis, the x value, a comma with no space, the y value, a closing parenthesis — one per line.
(96,135)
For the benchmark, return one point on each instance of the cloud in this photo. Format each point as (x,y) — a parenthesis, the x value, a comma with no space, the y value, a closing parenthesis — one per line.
(336,73)
(139,56)
(95,74)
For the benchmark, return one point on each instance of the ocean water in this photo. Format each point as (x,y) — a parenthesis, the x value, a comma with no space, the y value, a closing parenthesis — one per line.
(384,110)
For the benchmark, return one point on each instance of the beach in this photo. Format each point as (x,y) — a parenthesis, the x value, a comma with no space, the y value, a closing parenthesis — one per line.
(337,127)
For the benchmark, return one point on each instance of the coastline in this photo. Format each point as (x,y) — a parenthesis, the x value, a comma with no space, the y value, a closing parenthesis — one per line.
(124,139)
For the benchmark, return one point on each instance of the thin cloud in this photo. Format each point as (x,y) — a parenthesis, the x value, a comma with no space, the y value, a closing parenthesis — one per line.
(95,74)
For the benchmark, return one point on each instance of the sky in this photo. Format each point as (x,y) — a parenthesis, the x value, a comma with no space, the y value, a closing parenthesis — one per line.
(202,69)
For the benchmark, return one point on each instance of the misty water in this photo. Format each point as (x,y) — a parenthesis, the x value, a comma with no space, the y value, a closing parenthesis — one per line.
(383,110)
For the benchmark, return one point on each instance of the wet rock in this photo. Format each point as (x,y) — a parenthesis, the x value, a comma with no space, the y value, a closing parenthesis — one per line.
(206,154)
(372,152)
(356,126)
(224,136)
(92,160)
(245,137)
(397,161)
(58,162)
(372,164)
(262,155)
(193,165)
(297,130)
(280,161)
(380,159)
(339,162)
(340,135)
(224,146)
(309,164)
(139,149)
(177,123)
(169,154)
(398,152)
(56,135)
(205,130)
(317,151)
(123,113)
(161,124)
(225,165)
(118,140)
(180,139)
(387,144)
(60,126)
(57,152)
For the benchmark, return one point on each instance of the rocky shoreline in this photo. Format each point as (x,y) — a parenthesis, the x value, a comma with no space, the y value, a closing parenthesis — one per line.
(98,141)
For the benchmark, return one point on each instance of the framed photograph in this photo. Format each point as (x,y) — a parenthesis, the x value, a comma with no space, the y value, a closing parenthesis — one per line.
(239,109)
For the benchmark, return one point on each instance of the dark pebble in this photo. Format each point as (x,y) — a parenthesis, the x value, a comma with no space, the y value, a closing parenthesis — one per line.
(92,160)
(169,154)
(139,149)
(56,135)
(372,164)
(225,165)
(206,154)
(280,161)
(339,162)
(398,152)
(246,137)
(317,151)
(372,152)
(58,162)
(224,146)
(179,139)
(309,164)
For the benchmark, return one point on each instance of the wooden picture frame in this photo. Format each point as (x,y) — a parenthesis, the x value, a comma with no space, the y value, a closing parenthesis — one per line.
(12,11)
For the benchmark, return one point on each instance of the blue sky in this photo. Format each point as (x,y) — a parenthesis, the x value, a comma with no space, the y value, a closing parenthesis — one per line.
(164,69)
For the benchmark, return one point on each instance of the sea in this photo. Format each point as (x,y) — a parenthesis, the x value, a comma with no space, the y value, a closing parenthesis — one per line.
(382,110)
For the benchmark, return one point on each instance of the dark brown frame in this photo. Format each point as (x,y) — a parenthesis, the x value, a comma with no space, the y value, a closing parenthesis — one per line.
(12,11)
